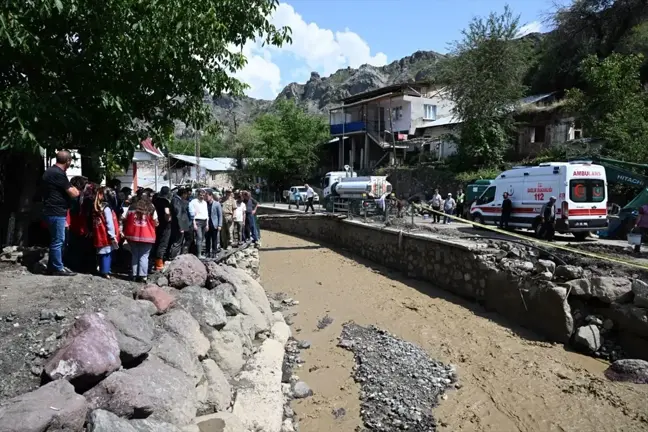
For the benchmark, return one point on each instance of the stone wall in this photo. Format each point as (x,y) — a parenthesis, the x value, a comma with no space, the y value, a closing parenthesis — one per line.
(198,350)
(527,286)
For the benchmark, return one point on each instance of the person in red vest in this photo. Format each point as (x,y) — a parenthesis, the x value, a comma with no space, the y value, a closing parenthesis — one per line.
(105,231)
(139,230)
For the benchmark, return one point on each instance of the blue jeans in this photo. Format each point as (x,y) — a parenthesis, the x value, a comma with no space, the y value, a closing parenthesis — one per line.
(140,258)
(250,228)
(56,225)
(105,262)
(446,219)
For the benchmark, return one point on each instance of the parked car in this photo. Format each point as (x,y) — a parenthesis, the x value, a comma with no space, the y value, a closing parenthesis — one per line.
(297,195)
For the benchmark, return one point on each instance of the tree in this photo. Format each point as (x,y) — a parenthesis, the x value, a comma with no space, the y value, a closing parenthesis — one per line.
(483,77)
(281,146)
(614,106)
(211,146)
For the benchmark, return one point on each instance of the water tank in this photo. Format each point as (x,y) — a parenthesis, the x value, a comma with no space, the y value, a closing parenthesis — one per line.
(351,188)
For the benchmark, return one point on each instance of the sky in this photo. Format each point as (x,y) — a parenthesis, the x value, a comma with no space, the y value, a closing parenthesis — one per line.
(332,34)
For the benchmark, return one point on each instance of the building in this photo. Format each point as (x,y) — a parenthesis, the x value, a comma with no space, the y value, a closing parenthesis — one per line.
(213,172)
(375,127)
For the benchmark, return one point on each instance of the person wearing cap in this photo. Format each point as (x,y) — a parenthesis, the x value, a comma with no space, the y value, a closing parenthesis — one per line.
(229,207)
(548,215)
(162,203)
(449,206)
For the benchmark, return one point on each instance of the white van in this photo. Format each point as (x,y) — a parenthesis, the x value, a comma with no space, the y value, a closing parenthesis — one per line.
(580,189)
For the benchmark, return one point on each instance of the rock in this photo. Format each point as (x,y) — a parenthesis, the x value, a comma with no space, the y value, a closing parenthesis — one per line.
(134,328)
(53,407)
(148,307)
(225,294)
(260,402)
(156,295)
(287,426)
(186,270)
(588,337)
(281,332)
(640,290)
(288,412)
(592,319)
(184,327)
(90,352)
(146,425)
(629,318)
(607,289)
(176,353)
(304,344)
(252,312)
(47,314)
(568,272)
(105,421)
(220,422)
(226,349)
(301,390)
(578,288)
(547,276)
(635,371)
(203,305)
(218,395)
(153,390)
(244,329)
(608,324)
(549,310)
(162,281)
(545,266)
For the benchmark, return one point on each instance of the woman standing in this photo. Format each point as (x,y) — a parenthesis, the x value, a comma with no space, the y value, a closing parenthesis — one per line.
(105,230)
(139,230)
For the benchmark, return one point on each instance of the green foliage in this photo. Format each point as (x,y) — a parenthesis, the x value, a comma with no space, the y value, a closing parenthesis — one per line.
(484,173)
(211,146)
(99,75)
(614,106)
(483,77)
(282,146)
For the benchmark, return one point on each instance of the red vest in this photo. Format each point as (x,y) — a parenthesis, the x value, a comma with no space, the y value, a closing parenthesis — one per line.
(77,222)
(100,229)
(139,230)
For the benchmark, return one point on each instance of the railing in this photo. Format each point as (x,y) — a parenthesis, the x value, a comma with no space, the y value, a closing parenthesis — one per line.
(342,128)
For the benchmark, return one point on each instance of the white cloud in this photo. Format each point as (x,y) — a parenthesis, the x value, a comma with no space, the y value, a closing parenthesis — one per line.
(314,49)
(532,27)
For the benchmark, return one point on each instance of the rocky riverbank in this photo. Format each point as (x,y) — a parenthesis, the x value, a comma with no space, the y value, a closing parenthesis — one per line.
(198,350)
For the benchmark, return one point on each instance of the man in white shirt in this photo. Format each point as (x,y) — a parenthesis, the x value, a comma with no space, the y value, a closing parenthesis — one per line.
(310,194)
(436,202)
(199,213)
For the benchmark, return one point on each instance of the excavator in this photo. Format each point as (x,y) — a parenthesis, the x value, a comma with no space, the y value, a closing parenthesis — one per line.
(621,219)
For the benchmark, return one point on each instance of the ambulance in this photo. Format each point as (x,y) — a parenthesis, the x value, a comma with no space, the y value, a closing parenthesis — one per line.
(580,189)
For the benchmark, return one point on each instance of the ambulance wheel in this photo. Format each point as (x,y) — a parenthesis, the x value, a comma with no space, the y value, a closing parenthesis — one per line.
(477,218)
(536,227)
(580,236)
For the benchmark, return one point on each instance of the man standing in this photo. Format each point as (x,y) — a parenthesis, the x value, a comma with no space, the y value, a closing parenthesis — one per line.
(461,198)
(310,194)
(57,195)
(162,203)
(548,214)
(436,202)
(449,206)
(215,212)
(250,211)
(200,216)
(507,209)
(180,224)
(229,207)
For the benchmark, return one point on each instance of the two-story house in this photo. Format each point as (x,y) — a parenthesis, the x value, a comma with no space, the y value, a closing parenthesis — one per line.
(375,127)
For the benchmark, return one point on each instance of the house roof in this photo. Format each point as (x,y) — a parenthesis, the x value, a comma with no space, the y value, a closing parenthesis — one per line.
(148,147)
(210,164)
(443,121)
(535,98)
(383,90)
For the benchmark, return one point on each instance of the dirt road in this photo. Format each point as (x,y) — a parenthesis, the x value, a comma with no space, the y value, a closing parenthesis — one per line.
(510,381)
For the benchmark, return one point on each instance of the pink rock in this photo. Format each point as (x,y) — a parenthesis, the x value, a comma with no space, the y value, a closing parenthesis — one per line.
(90,352)
(158,296)
(186,270)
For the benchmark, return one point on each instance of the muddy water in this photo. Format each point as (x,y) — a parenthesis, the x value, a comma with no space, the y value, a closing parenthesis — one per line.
(511,382)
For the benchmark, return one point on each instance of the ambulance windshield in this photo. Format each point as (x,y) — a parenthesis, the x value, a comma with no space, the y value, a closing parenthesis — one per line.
(587,190)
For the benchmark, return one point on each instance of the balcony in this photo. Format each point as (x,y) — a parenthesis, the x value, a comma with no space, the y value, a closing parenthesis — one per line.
(347,128)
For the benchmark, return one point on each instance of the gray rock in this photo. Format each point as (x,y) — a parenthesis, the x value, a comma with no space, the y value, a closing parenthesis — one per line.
(220,422)
(134,328)
(288,412)
(243,327)
(578,287)
(225,293)
(631,370)
(53,407)
(153,390)
(146,425)
(606,289)
(203,305)
(218,391)
(608,324)
(89,353)
(105,421)
(252,313)
(545,266)
(301,390)
(588,337)
(184,327)
(176,353)
(162,281)
(304,344)
(186,270)
(568,272)
(640,290)
(226,349)
(547,276)
(148,307)
(629,318)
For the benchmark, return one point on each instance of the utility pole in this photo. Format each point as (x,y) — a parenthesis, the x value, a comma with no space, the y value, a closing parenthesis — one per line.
(197,150)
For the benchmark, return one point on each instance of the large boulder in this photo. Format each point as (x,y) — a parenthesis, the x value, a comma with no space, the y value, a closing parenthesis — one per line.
(158,296)
(147,425)
(153,390)
(568,272)
(631,370)
(220,422)
(244,328)
(89,353)
(183,326)
(215,393)
(226,349)
(549,311)
(606,289)
(176,353)
(135,328)
(186,270)
(629,318)
(204,306)
(225,293)
(105,421)
(53,407)
(588,338)
(640,290)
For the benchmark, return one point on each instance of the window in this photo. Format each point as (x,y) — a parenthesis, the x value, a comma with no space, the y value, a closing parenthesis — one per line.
(587,190)
(539,134)
(397,113)
(578,129)
(429,112)
(488,196)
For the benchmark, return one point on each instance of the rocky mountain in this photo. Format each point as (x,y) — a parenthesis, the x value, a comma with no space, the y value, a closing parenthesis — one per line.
(319,94)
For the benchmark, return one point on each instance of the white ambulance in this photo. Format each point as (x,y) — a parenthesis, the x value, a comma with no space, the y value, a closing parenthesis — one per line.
(580,189)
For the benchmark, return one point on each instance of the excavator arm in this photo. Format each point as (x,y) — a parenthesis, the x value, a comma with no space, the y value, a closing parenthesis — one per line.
(616,174)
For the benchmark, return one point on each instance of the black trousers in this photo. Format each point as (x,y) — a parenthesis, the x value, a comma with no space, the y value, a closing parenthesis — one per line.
(436,217)
(180,242)
(162,239)
(309,203)
(212,241)
(504,220)
(548,230)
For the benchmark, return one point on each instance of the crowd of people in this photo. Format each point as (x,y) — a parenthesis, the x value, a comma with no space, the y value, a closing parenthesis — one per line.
(448,205)
(89,224)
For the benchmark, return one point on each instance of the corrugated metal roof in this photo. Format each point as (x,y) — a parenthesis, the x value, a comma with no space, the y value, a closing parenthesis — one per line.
(443,121)
(210,164)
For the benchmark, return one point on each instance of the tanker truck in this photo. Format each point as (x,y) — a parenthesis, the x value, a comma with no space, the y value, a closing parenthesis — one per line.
(344,189)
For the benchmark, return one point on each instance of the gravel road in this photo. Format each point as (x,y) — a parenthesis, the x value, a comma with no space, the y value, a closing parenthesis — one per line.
(510,381)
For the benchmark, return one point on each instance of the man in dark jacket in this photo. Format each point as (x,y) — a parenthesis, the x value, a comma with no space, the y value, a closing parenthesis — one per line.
(162,203)
(548,214)
(215,211)
(507,209)
(181,228)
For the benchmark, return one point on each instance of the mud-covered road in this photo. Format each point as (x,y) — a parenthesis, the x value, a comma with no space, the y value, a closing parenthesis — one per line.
(509,380)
